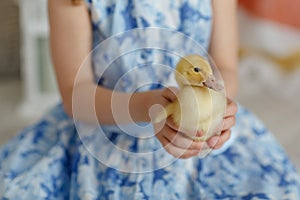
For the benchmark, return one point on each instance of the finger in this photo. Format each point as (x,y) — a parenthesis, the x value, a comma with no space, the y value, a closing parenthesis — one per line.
(177,152)
(181,141)
(171,124)
(192,133)
(170,93)
(231,108)
(216,142)
(222,139)
(228,123)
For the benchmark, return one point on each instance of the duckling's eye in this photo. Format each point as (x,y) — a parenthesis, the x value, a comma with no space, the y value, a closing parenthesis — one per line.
(197,69)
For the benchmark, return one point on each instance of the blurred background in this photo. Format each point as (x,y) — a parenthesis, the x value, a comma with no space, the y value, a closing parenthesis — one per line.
(269,66)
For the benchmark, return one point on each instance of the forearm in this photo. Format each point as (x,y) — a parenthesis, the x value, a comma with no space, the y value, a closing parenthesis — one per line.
(224,43)
(71,43)
(230,78)
(95,104)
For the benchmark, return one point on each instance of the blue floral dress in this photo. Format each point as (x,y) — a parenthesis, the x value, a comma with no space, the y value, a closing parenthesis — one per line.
(61,158)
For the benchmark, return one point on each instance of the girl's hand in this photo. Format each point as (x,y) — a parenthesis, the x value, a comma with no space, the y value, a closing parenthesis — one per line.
(217,142)
(175,142)
(181,146)
(171,139)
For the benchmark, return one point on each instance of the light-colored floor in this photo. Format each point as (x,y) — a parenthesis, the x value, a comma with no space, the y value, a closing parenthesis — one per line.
(280,116)
(10,99)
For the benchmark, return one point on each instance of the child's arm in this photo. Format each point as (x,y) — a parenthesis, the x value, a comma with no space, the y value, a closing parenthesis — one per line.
(71,42)
(223,51)
(224,43)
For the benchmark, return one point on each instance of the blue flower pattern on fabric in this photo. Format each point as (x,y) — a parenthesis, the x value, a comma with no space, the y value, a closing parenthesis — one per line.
(48,160)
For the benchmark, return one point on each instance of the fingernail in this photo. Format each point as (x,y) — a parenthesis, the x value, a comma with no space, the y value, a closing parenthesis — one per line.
(199,134)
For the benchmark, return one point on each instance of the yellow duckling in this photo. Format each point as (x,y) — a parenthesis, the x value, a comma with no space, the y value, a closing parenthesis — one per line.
(200,105)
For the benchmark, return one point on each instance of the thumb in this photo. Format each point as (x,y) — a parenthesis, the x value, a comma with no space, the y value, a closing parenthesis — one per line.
(170,93)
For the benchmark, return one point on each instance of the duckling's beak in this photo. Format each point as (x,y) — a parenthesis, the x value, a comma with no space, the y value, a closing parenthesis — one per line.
(212,83)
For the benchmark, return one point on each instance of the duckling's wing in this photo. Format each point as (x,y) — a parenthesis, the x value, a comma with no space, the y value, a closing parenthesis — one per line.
(164,113)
